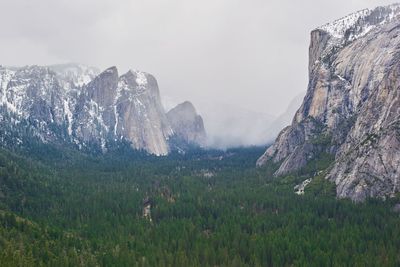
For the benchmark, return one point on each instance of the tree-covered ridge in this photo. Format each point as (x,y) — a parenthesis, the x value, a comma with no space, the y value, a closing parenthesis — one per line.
(60,207)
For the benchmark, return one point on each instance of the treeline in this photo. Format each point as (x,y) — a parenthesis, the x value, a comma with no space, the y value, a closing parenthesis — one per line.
(208,208)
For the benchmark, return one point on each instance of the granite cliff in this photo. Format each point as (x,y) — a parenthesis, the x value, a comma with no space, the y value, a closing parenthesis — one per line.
(352,107)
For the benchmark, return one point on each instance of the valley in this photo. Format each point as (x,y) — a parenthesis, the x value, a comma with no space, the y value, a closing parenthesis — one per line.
(95,171)
(208,208)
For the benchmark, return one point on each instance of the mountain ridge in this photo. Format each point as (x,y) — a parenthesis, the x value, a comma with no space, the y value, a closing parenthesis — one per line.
(79,105)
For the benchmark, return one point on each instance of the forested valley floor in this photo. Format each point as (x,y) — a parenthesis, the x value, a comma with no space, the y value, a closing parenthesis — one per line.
(60,207)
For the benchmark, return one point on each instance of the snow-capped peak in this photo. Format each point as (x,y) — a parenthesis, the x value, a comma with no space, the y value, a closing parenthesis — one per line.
(358,24)
(339,27)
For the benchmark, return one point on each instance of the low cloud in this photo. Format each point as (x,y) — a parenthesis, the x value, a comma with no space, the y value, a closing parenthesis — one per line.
(252,55)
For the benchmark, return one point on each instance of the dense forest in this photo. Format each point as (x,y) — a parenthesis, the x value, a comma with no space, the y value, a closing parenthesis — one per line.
(60,207)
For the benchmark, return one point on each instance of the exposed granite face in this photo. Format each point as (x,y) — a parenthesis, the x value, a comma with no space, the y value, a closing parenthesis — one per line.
(352,97)
(140,115)
(288,141)
(94,113)
(72,103)
(186,124)
(368,162)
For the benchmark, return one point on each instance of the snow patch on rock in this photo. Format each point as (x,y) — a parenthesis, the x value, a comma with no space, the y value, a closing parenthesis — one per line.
(360,23)
(299,189)
(141,78)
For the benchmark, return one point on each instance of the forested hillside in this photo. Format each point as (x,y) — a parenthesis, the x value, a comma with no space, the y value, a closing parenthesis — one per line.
(59,207)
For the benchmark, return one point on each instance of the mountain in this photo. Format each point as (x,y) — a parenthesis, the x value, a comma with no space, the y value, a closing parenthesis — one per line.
(187,124)
(283,119)
(77,105)
(351,111)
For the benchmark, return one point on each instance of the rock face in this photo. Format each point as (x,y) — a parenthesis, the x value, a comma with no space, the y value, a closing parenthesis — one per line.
(352,106)
(73,103)
(187,124)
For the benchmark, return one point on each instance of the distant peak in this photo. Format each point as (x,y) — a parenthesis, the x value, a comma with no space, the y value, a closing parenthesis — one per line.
(186,106)
(112,69)
(110,72)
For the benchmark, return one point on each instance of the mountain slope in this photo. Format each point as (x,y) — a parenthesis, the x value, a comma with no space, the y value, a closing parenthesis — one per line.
(76,105)
(351,109)
(187,124)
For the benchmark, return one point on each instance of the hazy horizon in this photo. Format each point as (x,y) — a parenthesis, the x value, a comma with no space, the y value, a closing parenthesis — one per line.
(248,57)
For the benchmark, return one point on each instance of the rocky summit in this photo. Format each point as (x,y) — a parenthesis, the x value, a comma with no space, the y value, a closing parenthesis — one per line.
(185,122)
(352,107)
(79,105)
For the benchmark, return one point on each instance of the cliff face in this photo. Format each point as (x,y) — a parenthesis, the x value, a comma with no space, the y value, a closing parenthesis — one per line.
(352,104)
(73,103)
(126,107)
(186,124)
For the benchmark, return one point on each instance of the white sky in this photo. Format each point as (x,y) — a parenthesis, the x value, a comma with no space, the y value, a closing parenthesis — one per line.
(252,54)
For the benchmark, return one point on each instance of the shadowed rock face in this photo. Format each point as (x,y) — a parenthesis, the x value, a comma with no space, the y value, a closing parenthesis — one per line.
(187,124)
(353,102)
(94,113)
(90,109)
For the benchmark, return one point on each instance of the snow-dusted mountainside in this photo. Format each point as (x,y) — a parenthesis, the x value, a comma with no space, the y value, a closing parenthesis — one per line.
(76,74)
(352,106)
(360,23)
(75,104)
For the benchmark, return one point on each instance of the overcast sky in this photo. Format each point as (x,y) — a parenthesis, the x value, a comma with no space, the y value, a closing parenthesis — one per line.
(249,53)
